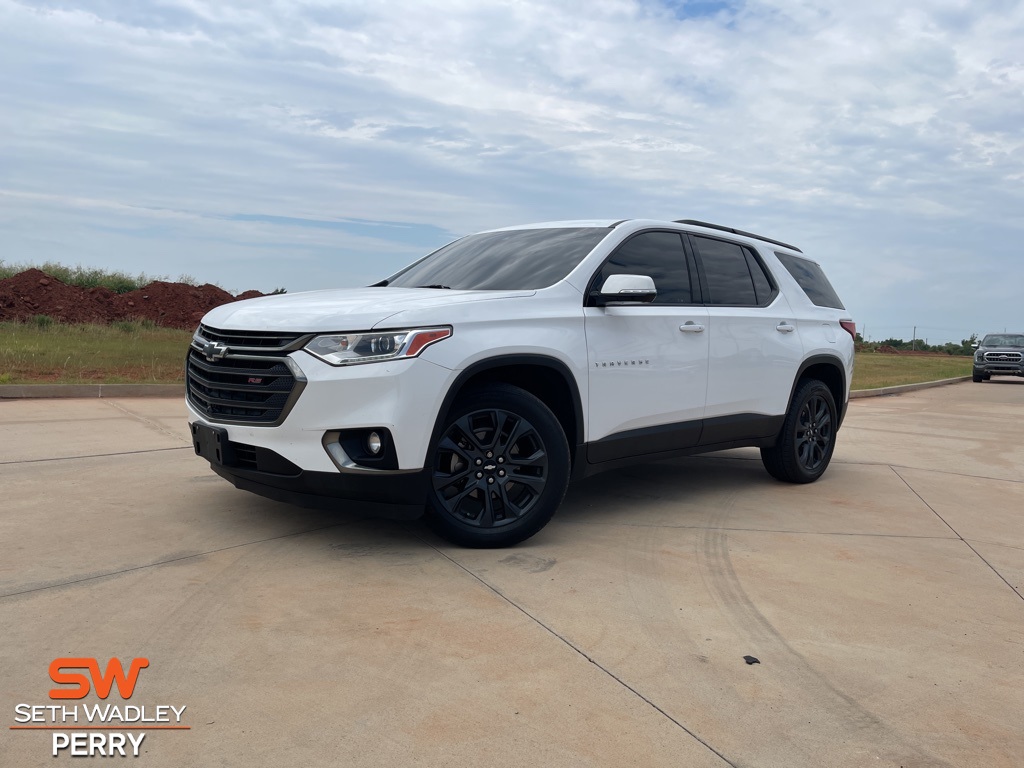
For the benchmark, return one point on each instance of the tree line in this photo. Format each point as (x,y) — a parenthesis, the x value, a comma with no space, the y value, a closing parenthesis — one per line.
(965,347)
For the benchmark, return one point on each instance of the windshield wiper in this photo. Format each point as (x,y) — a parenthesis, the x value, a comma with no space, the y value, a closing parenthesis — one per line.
(446,287)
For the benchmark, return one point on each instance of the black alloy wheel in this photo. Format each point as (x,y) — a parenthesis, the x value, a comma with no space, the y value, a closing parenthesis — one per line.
(499,469)
(814,433)
(808,437)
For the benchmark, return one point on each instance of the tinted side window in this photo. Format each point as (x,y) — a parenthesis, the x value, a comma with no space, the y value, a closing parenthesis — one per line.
(810,277)
(725,267)
(762,285)
(656,254)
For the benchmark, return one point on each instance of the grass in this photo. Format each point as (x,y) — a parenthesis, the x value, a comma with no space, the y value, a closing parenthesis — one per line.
(873,370)
(43,351)
(127,352)
(90,277)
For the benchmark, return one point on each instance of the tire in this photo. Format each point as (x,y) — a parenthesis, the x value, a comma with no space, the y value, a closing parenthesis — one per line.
(976,378)
(500,468)
(803,450)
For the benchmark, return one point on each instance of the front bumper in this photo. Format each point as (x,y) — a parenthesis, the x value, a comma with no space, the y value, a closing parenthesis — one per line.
(402,397)
(998,369)
(291,462)
(397,495)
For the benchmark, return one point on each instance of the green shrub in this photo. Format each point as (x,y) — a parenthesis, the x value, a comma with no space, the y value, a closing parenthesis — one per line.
(42,321)
(92,277)
(84,277)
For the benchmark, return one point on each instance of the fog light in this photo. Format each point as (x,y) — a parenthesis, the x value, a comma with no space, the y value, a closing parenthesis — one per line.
(374,443)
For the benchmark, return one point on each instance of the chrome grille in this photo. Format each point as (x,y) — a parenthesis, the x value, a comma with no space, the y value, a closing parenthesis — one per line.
(262,340)
(248,380)
(1002,357)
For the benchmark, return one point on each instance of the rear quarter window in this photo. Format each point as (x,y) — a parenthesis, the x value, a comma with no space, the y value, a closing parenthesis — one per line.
(812,280)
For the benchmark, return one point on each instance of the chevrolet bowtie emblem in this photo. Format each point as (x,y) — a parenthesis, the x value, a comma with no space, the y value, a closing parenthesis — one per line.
(214,350)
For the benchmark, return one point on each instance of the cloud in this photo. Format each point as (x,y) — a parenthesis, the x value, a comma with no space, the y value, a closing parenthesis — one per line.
(885,139)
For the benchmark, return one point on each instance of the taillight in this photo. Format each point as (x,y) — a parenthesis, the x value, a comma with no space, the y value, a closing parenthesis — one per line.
(850,327)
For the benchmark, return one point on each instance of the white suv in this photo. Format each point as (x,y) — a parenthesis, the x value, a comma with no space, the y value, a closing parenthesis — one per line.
(475,383)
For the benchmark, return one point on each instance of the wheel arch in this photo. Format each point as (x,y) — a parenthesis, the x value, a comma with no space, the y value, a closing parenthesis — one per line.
(829,370)
(546,378)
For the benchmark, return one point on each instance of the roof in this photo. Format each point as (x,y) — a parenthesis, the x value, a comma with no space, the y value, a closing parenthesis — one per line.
(610,223)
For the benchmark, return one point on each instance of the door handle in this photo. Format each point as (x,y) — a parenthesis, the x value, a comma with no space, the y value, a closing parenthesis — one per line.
(785,327)
(691,327)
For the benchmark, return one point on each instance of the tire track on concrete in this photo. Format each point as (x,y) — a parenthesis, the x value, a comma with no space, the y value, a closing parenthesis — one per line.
(30,588)
(807,684)
(550,630)
(178,637)
(156,426)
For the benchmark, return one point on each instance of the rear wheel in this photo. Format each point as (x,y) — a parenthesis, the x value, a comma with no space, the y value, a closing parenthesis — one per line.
(499,470)
(804,447)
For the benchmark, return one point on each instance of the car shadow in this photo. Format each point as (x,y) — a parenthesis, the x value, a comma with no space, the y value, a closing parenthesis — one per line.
(673,480)
(689,485)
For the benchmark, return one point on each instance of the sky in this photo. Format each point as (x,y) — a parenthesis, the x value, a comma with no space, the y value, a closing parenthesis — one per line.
(312,144)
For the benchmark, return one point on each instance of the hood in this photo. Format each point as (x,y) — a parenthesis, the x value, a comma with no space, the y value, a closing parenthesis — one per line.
(1000,348)
(353,309)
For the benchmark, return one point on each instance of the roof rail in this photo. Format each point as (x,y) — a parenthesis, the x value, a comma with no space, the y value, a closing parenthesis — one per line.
(696,223)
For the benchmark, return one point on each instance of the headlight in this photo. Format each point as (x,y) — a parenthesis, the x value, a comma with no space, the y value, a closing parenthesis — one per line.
(374,346)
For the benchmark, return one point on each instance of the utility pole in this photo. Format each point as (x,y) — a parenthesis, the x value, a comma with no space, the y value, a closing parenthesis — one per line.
(913,341)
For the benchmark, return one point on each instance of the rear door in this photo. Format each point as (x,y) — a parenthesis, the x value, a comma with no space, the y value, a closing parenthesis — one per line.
(755,349)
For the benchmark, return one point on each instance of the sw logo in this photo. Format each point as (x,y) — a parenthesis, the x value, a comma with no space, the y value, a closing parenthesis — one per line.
(96,730)
(101,682)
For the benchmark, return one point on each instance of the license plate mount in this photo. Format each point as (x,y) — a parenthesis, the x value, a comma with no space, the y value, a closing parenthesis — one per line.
(212,444)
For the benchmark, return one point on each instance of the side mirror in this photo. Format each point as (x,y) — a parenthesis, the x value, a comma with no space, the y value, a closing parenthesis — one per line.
(974,345)
(626,289)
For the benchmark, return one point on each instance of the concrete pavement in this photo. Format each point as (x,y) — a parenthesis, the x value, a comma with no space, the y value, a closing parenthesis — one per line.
(883,602)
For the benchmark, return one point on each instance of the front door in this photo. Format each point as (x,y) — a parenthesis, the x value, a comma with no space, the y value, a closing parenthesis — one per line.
(648,363)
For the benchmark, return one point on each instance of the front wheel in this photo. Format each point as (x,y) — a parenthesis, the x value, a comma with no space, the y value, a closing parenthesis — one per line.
(499,469)
(977,378)
(804,447)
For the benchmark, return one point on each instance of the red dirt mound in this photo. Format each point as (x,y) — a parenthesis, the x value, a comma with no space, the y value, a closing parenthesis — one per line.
(33,292)
(175,305)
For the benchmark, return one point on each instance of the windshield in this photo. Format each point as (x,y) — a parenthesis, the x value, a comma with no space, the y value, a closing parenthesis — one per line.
(1004,340)
(513,260)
